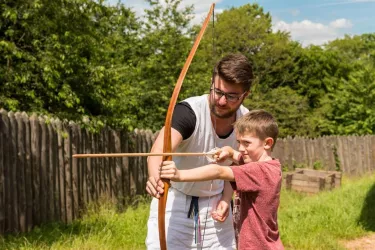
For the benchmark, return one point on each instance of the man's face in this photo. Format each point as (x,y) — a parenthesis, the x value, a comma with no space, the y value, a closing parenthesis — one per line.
(225,99)
(251,147)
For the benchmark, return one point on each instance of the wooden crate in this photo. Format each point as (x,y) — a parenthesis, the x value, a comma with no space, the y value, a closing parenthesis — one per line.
(312,181)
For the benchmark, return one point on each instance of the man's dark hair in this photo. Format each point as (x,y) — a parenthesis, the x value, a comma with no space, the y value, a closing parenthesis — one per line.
(235,69)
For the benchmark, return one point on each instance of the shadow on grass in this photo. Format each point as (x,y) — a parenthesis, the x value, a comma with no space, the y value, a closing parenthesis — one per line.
(367,218)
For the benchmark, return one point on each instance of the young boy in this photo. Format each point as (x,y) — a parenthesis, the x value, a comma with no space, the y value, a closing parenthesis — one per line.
(256,179)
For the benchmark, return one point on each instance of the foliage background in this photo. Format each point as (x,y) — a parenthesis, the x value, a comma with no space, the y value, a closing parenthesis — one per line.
(100,64)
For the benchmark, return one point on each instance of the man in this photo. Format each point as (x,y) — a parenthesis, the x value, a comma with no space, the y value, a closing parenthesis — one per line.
(200,124)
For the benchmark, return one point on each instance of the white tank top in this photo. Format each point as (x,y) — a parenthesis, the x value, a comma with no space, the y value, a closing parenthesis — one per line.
(203,139)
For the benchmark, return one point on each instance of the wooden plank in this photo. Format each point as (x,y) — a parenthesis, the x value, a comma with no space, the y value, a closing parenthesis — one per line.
(94,166)
(303,177)
(334,152)
(288,181)
(304,151)
(348,167)
(367,149)
(50,171)
(21,149)
(35,170)
(106,165)
(118,169)
(56,171)
(28,173)
(132,165)
(318,173)
(68,174)
(81,172)
(43,172)
(2,195)
(13,170)
(353,152)
(305,183)
(310,152)
(61,170)
(340,152)
(74,138)
(90,165)
(87,167)
(112,169)
(4,172)
(143,161)
(322,183)
(96,170)
(125,164)
(305,189)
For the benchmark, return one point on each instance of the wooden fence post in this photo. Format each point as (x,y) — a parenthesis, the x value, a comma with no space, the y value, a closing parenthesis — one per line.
(20,171)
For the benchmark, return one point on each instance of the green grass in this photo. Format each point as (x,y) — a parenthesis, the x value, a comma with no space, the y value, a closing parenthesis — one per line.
(323,220)
(316,222)
(100,228)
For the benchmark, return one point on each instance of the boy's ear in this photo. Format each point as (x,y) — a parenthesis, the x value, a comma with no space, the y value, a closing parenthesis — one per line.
(268,142)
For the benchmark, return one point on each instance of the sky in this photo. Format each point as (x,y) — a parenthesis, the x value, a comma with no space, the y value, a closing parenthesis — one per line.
(308,21)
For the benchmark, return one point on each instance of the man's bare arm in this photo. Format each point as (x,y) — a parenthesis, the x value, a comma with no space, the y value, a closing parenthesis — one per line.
(154,185)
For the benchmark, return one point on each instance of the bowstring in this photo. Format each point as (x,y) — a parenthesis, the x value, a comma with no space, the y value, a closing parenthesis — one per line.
(214,123)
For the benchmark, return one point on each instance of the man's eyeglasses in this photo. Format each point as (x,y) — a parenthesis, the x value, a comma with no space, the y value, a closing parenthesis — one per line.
(229,97)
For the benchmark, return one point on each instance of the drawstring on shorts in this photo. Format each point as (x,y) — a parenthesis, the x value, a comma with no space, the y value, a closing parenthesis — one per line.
(194,212)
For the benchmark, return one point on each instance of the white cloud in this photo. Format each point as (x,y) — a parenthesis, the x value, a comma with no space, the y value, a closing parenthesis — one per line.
(201,7)
(308,32)
(341,23)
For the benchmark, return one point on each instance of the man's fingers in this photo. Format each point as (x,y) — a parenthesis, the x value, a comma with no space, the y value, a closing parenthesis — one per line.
(154,187)
(153,192)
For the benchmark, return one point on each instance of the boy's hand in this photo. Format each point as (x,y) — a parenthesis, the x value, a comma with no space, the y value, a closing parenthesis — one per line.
(222,211)
(223,153)
(168,170)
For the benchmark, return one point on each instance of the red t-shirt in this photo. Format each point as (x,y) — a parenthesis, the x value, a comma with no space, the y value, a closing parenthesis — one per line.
(257,196)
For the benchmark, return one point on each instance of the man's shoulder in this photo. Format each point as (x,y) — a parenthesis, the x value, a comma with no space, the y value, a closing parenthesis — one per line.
(195,99)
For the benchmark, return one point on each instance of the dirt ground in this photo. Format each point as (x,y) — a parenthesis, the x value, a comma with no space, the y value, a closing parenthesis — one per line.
(364,243)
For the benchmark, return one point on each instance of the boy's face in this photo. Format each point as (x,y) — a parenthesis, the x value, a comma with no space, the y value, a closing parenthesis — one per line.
(251,147)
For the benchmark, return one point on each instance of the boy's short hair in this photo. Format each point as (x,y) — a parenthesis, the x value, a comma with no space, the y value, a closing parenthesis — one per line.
(260,122)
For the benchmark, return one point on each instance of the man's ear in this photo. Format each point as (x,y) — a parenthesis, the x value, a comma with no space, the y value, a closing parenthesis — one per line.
(268,142)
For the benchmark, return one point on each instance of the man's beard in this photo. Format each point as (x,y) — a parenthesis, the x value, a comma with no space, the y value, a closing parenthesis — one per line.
(227,114)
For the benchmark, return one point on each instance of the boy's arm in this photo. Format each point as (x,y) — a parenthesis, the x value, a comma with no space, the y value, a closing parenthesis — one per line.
(227,191)
(204,173)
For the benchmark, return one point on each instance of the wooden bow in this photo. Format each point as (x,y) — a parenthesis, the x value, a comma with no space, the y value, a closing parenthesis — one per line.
(167,147)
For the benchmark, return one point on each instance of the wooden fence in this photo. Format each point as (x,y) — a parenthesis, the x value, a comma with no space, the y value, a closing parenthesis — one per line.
(353,155)
(40,182)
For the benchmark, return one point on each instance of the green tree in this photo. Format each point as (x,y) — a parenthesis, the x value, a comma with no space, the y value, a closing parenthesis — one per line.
(289,108)
(351,109)
(162,52)
(61,57)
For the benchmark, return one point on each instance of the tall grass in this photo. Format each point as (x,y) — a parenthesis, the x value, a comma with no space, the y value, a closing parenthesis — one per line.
(316,222)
